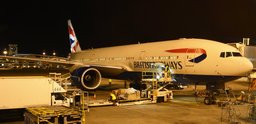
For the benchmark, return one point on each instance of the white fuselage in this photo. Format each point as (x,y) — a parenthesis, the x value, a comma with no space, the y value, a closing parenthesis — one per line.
(183,56)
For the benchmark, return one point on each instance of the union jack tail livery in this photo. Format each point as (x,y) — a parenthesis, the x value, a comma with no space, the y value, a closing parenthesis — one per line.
(74,44)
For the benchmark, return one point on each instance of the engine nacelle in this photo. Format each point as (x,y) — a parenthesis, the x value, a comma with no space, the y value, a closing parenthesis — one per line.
(87,78)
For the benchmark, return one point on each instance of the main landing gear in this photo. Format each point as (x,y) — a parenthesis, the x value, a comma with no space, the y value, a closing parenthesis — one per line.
(212,90)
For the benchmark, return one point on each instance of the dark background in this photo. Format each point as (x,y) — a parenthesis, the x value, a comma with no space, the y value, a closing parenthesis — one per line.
(42,24)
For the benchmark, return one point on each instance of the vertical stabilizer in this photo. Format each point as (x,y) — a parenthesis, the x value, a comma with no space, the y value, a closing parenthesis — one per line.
(74,44)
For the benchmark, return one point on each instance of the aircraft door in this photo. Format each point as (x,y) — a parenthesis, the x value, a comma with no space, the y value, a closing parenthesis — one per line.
(190,55)
(224,63)
(142,55)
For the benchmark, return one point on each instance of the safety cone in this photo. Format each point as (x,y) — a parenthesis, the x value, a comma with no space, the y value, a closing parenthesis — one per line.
(94,96)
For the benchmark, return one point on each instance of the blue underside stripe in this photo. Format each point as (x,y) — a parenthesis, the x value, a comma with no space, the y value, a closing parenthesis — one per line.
(199,58)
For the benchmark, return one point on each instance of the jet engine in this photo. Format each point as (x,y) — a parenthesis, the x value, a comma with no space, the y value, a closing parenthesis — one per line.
(86,78)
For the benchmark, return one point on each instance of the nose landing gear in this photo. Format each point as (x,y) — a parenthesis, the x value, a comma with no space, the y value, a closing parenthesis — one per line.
(212,90)
(210,98)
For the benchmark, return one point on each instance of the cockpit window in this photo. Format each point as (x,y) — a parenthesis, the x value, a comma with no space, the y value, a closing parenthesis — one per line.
(228,54)
(236,54)
(222,54)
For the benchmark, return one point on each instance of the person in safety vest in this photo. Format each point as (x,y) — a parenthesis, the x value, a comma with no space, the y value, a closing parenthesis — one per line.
(109,81)
(113,98)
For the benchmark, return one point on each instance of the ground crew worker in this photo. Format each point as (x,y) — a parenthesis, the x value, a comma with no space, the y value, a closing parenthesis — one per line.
(241,97)
(166,74)
(113,98)
(109,81)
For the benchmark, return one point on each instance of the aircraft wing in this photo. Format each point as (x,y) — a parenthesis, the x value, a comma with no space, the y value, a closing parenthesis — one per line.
(70,63)
(46,60)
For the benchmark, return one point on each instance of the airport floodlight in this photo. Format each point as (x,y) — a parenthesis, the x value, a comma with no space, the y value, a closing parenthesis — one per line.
(5,52)
(44,53)
(54,53)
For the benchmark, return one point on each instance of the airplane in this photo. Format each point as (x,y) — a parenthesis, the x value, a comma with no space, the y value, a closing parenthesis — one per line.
(195,60)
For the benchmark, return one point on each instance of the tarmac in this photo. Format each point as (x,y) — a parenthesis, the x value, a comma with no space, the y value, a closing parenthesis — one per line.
(183,109)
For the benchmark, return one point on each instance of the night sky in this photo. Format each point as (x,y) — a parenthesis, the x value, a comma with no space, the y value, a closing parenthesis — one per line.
(42,24)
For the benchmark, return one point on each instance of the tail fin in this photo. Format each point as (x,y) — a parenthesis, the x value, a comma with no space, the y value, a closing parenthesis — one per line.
(74,44)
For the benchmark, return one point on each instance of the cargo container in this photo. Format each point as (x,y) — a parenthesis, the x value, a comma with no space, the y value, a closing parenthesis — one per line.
(29,91)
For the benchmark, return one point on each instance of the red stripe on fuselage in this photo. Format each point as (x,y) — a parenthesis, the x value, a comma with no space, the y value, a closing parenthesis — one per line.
(187,50)
(201,51)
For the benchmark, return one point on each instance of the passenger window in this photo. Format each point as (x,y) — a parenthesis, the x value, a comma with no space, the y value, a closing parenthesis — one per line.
(228,54)
(236,54)
(222,54)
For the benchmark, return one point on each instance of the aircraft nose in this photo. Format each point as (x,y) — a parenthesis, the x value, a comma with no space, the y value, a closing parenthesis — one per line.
(248,66)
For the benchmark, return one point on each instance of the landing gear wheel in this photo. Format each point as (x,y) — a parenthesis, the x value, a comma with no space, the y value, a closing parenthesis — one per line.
(208,101)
